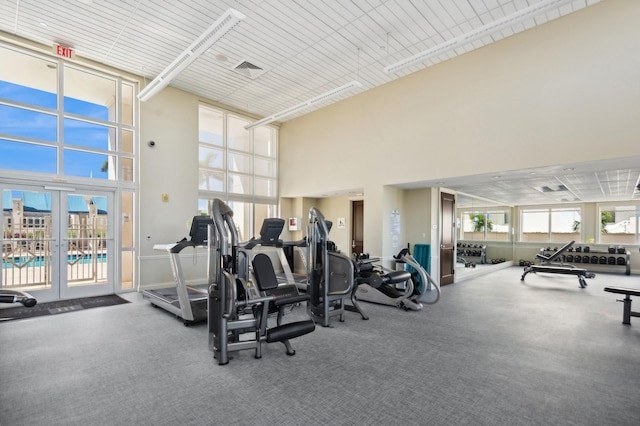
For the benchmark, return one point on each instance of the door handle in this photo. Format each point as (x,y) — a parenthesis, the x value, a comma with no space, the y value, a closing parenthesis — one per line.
(353,244)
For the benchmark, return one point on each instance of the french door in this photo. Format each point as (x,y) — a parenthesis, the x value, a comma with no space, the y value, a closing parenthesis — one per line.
(57,242)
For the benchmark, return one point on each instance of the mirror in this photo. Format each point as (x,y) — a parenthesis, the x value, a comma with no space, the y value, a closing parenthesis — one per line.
(484,234)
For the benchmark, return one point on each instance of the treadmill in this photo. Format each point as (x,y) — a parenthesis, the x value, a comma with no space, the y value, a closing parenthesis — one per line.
(270,237)
(188,302)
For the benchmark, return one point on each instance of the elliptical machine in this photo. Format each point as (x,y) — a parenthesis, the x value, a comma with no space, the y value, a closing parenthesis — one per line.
(380,285)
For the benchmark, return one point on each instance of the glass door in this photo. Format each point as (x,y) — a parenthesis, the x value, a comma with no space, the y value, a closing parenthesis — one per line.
(57,242)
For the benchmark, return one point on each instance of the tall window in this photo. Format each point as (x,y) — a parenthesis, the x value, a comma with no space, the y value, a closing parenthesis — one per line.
(619,224)
(485,225)
(238,166)
(84,132)
(550,225)
(62,121)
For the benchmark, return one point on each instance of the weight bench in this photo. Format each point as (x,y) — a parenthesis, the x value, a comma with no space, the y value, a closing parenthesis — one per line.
(627,313)
(550,265)
(581,273)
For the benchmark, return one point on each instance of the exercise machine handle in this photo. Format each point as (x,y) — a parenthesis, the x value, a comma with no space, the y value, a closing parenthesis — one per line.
(17,296)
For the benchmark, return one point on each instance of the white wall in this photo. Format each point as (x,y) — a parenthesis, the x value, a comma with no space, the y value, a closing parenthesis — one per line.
(171,167)
(564,92)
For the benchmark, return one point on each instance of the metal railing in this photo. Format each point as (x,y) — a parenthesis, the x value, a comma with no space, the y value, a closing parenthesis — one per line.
(28,255)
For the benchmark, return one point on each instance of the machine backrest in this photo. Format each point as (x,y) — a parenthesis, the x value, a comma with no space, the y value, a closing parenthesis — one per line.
(264,273)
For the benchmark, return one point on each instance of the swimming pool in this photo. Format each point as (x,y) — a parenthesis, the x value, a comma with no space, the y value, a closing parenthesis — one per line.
(34,262)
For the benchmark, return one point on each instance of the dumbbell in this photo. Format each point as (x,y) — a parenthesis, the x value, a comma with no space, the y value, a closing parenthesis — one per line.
(611,260)
(621,250)
(602,260)
(586,249)
(585,259)
(622,261)
(569,258)
(594,259)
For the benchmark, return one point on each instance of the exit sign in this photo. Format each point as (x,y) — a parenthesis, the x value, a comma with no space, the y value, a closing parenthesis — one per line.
(64,51)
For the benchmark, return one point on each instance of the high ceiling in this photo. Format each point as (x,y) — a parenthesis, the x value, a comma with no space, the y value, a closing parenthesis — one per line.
(304,49)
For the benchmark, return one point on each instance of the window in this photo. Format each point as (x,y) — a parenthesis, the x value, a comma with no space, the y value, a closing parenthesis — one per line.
(550,225)
(60,120)
(238,166)
(619,224)
(489,225)
(85,133)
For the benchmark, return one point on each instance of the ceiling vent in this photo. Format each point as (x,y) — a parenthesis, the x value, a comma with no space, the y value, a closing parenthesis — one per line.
(248,69)
(558,188)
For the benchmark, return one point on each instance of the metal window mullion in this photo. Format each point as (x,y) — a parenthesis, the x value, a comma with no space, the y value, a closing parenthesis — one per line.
(117,142)
(60,156)
(225,150)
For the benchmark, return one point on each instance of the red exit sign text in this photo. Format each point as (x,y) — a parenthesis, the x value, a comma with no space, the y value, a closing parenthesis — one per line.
(65,52)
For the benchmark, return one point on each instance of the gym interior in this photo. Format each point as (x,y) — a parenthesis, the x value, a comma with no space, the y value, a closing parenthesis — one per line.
(492,153)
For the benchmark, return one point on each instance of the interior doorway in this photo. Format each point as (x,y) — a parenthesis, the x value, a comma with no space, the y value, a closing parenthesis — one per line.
(357,230)
(447,237)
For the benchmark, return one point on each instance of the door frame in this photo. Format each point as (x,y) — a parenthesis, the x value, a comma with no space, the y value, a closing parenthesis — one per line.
(447,238)
(357,226)
(60,288)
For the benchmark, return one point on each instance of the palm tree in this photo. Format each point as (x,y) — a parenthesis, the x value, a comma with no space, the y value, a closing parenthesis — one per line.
(478,220)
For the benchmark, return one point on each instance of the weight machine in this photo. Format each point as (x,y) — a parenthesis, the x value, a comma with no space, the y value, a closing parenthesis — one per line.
(238,310)
(331,275)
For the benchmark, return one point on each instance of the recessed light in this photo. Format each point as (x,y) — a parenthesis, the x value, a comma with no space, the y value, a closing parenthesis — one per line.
(568,169)
(496,177)
(43,24)
(220,57)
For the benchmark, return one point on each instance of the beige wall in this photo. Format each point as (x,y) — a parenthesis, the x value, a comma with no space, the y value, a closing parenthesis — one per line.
(171,120)
(564,92)
(517,99)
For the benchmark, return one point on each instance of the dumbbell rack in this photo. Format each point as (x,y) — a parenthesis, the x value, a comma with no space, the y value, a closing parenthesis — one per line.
(591,254)
(467,250)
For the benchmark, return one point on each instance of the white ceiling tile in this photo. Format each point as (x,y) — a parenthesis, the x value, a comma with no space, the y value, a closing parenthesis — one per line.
(306,48)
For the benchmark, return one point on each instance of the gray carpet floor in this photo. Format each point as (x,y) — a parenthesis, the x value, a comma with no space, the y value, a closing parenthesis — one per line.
(493,351)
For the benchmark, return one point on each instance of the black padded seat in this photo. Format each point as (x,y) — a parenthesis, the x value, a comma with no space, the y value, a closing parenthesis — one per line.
(267,281)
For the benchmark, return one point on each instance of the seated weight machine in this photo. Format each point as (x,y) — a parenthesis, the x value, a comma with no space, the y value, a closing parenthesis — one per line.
(553,264)
(240,303)
(330,274)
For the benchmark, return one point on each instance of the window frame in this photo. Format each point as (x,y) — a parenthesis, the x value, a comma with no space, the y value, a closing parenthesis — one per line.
(550,225)
(228,172)
(485,212)
(632,207)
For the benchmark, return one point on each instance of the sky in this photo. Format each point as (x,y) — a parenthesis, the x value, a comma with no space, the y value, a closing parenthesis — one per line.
(42,158)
